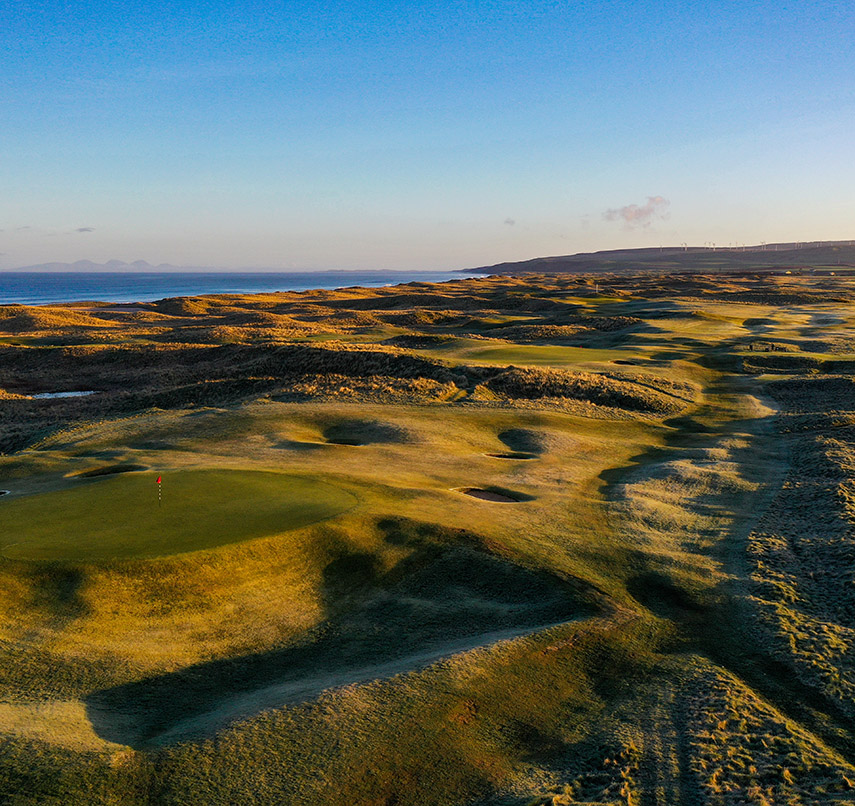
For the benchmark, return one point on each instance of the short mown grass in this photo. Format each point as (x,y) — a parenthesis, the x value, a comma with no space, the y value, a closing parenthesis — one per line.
(122,515)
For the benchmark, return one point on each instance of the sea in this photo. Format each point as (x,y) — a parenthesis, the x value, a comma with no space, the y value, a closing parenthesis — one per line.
(43,288)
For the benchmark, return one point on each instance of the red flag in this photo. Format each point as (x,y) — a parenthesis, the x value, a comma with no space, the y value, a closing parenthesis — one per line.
(158,479)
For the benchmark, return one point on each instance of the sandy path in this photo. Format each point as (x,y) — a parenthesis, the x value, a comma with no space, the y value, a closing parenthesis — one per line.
(305,689)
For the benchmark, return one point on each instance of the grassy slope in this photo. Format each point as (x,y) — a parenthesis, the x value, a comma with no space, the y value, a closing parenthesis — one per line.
(839,255)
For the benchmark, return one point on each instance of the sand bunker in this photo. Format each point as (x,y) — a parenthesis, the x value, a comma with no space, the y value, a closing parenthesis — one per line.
(495,495)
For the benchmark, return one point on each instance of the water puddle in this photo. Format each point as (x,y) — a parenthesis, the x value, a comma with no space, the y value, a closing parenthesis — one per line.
(51,395)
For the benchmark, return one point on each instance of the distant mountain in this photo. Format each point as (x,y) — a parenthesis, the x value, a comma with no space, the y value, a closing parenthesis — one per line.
(818,254)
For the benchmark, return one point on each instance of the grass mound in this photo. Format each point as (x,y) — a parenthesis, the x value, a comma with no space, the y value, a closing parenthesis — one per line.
(419,341)
(111,470)
(576,327)
(21,319)
(536,384)
(524,440)
(364,432)
(383,388)
(181,306)
(495,495)
(437,600)
(607,324)
(539,333)
(780,362)
(118,516)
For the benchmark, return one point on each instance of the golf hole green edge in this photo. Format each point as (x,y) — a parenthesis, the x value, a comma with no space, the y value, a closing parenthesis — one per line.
(120,517)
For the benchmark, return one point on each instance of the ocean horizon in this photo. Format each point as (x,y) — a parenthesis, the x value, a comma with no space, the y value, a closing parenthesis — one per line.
(43,288)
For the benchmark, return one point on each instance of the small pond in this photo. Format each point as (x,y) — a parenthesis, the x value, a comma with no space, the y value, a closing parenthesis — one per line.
(47,395)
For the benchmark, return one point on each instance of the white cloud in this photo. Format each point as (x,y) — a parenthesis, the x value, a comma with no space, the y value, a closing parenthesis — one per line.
(634,216)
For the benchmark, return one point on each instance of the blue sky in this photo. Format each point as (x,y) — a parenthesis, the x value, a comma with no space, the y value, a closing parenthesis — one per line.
(419,135)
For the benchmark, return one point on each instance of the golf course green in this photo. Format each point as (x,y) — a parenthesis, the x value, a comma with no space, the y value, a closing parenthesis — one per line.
(502,541)
(119,516)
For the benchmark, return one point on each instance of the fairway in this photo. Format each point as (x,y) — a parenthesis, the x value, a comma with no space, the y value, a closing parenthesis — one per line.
(536,355)
(119,516)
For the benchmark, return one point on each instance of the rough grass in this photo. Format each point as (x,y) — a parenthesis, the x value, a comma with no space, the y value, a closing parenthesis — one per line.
(801,553)
(534,384)
(744,751)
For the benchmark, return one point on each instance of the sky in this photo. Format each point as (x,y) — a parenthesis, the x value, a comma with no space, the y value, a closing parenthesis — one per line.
(419,135)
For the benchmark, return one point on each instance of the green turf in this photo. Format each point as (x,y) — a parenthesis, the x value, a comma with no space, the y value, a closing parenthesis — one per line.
(119,516)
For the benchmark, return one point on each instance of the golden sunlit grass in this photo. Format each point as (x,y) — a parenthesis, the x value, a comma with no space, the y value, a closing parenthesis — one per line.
(611,634)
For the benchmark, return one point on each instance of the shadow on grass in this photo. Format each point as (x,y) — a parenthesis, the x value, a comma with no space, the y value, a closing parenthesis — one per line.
(524,441)
(57,588)
(440,600)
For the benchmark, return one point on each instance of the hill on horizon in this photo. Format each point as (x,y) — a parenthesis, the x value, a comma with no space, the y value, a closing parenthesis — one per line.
(792,255)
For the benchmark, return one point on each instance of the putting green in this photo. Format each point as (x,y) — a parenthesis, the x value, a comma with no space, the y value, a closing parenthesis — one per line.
(119,516)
